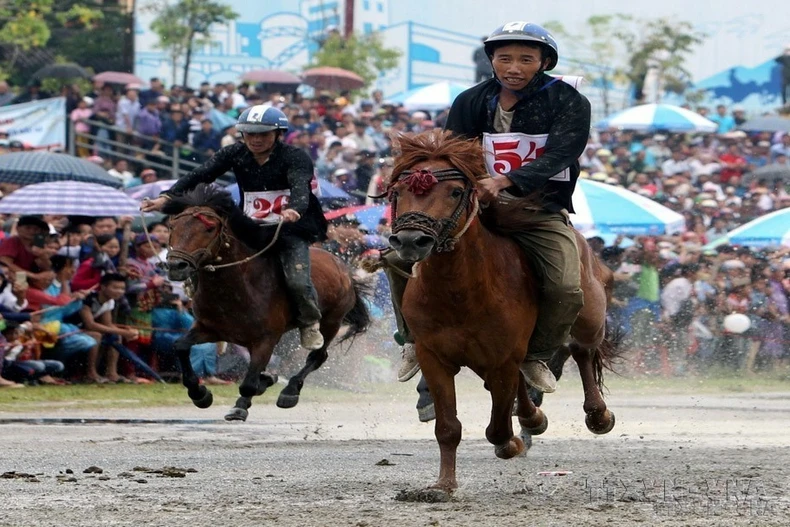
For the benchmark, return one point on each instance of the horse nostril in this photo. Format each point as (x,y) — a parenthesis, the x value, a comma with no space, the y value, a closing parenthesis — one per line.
(178,265)
(395,242)
(423,241)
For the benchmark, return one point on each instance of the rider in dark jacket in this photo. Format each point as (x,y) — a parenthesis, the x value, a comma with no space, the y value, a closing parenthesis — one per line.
(533,128)
(274,184)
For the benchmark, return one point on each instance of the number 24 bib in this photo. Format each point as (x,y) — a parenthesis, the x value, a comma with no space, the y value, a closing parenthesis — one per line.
(507,152)
(266,206)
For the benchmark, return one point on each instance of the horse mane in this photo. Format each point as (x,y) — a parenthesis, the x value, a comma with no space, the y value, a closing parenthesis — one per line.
(434,145)
(220,201)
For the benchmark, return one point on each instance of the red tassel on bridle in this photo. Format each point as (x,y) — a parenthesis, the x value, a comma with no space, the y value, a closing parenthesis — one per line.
(205,221)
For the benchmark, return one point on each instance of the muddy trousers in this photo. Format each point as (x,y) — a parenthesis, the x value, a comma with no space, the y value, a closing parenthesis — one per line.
(295,259)
(550,246)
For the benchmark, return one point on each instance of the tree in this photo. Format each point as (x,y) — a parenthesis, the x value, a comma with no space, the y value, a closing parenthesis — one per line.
(365,55)
(596,52)
(25,25)
(185,25)
(660,45)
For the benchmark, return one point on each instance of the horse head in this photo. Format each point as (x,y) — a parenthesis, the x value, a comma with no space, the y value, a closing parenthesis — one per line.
(198,225)
(432,193)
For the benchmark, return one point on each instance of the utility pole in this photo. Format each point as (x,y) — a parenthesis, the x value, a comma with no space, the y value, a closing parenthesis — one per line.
(348,28)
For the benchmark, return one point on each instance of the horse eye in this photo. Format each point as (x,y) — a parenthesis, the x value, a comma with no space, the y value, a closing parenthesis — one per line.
(457,193)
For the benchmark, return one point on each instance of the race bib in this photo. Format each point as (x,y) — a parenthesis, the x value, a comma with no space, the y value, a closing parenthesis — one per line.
(507,152)
(266,206)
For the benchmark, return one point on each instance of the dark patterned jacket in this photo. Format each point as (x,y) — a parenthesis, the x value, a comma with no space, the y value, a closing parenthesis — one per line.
(553,108)
(288,167)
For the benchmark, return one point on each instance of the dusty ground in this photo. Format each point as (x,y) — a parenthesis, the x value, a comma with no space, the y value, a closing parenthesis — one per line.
(681,460)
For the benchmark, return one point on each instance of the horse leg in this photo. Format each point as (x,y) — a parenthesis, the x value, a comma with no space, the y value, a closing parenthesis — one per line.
(200,395)
(599,419)
(254,383)
(503,385)
(441,382)
(289,396)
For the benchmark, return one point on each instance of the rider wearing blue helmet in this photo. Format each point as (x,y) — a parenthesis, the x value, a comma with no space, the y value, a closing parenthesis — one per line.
(534,128)
(274,183)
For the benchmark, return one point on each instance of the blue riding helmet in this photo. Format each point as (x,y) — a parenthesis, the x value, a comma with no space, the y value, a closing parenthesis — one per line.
(261,118)
(524,32)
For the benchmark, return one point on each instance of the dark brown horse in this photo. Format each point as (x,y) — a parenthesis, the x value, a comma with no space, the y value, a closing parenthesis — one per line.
(473,301)
(241,298)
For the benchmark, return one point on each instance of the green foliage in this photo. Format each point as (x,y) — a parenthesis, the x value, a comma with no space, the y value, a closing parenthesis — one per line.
(26,25)
(185,25)
(365,55)
(620,48)
(662,43)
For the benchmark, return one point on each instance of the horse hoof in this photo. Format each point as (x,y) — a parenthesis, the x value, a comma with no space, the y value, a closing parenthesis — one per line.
(600,429)
(205,401)
(426,413)
(287,401)
(512,448)
(536,430)
(237,414)
(526,438)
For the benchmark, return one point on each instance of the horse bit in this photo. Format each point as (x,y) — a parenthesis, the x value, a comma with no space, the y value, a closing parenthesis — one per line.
(421,182)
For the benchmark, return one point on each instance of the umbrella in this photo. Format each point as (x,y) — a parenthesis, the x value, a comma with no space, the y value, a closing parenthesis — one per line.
(771,229)
(69,198)
(766,124)
(271,77)
(617,210)
(436,96)
(118,77)
(658,117)
(368,216)
(27,168)
(68,70)
(330,78)
(150,190)
(323,189)
(773,172)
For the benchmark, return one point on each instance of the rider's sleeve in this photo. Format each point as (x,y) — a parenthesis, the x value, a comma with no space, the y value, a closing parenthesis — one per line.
(460,120)
(208,172)
(567,140)
(300,174)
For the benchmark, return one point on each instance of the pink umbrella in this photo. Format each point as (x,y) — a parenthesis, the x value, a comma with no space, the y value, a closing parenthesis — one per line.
(271,77)
(330,78)
(118,77)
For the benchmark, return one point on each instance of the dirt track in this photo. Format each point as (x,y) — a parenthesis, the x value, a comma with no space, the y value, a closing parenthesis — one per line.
(671,460)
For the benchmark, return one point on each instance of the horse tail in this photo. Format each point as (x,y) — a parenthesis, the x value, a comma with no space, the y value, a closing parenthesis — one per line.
(608,353)
(358,318)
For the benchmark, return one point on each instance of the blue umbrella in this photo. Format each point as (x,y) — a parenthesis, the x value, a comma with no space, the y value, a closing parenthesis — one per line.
(612,209)
(771,229)
(432,97)
(28,168)
(658,117)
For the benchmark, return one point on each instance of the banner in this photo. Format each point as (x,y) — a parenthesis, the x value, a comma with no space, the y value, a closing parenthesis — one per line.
(37,124)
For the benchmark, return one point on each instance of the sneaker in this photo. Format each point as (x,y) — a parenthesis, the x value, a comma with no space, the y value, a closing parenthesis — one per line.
(539,376)
(311,337)
(408,362)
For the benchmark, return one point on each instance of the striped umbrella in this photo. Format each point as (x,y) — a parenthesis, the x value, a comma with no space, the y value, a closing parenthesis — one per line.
(658,117)
(618,210)
(771,229)
(27,168)
(69,198)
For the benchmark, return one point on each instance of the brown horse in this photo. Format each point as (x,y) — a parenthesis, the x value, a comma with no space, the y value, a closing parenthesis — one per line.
(240,296)
(472,300)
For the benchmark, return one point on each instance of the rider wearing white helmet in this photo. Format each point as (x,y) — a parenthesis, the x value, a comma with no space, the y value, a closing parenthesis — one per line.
(274,183)
(534,128)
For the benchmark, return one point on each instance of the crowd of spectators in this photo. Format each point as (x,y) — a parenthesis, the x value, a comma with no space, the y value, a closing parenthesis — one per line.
(672,293)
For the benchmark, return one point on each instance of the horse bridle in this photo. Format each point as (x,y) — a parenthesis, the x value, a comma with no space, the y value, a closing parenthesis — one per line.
(441,229)
(198,257)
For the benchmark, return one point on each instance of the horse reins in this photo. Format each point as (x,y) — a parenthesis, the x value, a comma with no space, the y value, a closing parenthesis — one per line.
(198,256)
(421,182)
